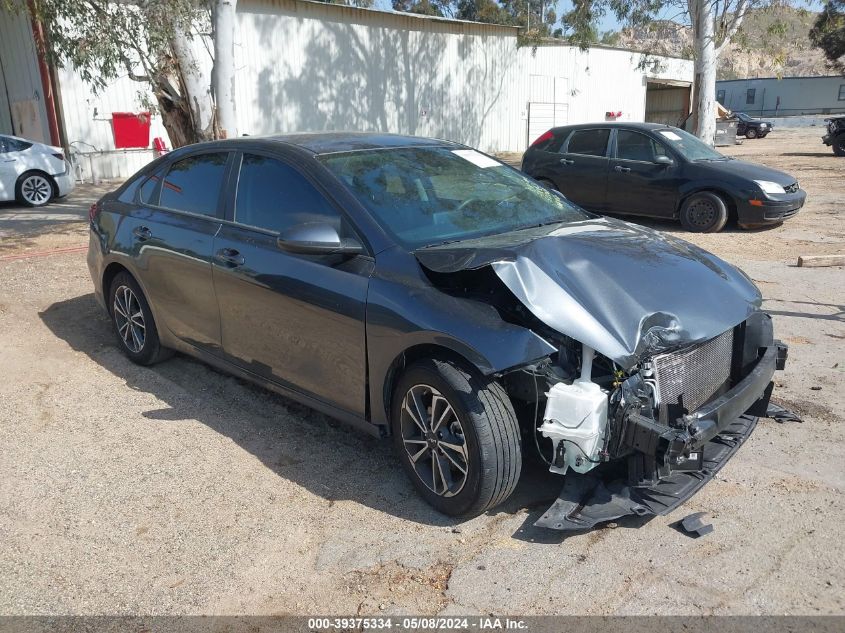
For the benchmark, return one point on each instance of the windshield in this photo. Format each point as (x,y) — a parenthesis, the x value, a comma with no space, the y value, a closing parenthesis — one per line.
(742,116)
(431,195)
(689,146)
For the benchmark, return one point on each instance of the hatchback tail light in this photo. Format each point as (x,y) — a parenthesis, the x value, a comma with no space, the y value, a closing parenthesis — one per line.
(93,211)
(547,136)
(60,156)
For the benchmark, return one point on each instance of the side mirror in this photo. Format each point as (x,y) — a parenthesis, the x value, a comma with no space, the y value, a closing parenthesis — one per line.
(663,160)
(317,238)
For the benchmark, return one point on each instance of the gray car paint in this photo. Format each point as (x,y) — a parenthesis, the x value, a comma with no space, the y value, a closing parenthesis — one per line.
(624,290)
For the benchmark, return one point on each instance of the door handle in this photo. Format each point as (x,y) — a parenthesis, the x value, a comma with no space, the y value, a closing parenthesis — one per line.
(566,161)
(142,233)
(621,168)
(230,256)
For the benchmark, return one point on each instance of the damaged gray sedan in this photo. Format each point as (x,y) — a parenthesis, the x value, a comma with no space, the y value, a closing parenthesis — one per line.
(422,290)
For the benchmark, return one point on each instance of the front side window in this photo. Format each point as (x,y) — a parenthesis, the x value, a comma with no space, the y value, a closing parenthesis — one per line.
(274,196)
(588,142)
(636,146)
(750,95)
(193,184)
(431,195)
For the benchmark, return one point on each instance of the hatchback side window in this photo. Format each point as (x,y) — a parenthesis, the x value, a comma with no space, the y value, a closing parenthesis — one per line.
(632,145)
(193,184)
(589,142)
(275,197)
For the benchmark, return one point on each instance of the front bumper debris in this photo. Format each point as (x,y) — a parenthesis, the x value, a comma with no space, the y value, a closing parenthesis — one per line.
(671,463)
(587,500)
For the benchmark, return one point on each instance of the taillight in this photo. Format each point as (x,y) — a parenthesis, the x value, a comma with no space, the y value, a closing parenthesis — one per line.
(547,136)
(93,211)
(60,156)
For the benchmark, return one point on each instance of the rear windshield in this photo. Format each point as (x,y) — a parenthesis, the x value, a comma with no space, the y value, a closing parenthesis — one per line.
(432,195)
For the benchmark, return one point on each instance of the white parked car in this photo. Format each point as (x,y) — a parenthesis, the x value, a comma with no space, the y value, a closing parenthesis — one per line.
(32,173)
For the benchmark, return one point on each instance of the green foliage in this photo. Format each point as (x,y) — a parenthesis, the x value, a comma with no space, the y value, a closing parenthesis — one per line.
(104,40)
(828,33)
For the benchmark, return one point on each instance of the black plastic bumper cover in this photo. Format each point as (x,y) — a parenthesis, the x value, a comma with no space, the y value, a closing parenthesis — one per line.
(587,500)
(718,429)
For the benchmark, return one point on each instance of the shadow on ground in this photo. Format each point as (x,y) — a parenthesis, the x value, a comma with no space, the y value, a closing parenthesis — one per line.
(295,442)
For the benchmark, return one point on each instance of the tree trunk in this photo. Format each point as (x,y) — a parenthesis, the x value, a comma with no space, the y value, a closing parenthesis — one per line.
(705,71)
(195,88)
(224,66)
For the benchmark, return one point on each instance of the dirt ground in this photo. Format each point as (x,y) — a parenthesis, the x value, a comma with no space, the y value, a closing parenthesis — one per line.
(177,489)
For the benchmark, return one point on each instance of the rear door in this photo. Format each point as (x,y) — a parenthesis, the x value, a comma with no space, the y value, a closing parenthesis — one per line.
(582,175)
(297,320)
(635,183)
(169,233)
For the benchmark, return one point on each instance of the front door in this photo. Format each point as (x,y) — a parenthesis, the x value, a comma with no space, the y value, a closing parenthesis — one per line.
(638,185)
(297,320)
(582,175)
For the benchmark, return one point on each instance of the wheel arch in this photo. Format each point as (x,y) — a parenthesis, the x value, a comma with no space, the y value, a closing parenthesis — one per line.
(111,271)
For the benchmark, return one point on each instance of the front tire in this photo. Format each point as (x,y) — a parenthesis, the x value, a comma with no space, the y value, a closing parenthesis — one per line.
(751,133)
(457,437)
(34,189)
(704,212)
(133,323)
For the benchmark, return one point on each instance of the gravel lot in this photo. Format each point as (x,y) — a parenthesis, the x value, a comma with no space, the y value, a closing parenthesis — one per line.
(176,489)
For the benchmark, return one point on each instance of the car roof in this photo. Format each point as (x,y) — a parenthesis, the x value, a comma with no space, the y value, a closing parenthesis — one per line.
(331,142)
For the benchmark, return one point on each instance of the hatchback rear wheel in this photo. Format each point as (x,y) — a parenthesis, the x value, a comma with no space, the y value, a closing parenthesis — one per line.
(457,437)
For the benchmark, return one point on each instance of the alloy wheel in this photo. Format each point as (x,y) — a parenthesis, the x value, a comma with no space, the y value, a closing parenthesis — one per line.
(36,190)
(434,440)
(129,318)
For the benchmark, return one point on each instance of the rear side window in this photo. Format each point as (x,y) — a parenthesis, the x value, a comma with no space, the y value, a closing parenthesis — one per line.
(150,189)
(274,196)
(588,142)
(635,146)
(193,184)
(8,145)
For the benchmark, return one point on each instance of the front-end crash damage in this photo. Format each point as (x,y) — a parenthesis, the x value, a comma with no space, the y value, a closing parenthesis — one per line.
(663,359)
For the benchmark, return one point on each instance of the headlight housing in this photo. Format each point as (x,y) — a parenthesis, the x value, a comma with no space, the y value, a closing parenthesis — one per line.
(763,125)
(769,187)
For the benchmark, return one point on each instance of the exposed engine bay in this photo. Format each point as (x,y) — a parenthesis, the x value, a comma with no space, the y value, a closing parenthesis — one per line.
(637,408)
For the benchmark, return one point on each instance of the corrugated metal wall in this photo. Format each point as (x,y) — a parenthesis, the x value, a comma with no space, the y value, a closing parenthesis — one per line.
(22,111)
(314,66)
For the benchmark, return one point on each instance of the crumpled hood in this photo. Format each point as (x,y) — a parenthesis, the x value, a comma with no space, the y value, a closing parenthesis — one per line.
(624,290)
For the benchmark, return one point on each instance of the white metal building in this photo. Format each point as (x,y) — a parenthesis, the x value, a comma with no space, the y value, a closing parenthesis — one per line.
(787,96)
(308,66)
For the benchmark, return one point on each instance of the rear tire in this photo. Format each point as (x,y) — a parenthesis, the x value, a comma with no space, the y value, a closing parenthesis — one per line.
(480,435)
(751,133)
(704,212)
(133,323)
(34,189)
(839,145)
